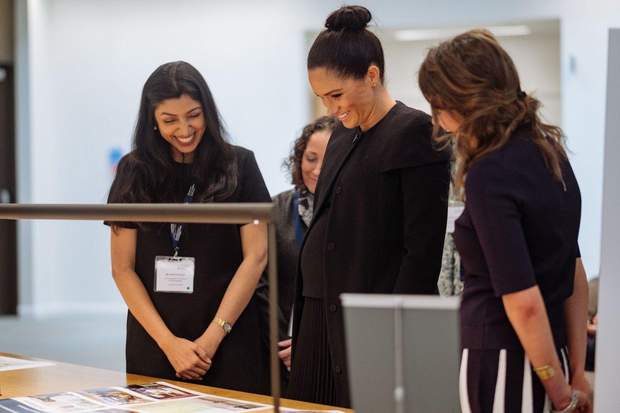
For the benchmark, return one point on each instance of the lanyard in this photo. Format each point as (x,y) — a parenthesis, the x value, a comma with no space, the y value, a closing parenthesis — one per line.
(177,229)
(299,233)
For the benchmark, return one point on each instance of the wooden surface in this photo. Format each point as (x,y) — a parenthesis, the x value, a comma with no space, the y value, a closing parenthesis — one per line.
(63,377)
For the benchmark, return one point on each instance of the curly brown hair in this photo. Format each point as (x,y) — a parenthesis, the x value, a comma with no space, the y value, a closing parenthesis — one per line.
(292,164)
(473,76)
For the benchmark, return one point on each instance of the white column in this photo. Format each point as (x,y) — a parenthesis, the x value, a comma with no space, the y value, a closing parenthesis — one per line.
(607,397)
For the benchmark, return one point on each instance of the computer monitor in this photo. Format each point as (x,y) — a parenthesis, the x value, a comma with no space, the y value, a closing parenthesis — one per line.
(403,353)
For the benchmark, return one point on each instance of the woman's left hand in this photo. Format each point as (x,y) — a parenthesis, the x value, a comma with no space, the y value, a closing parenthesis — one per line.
(210,341)
(581,383)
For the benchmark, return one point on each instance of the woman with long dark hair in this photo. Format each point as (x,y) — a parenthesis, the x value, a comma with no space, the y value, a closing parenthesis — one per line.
(380,204)
(524,306)
(190,289)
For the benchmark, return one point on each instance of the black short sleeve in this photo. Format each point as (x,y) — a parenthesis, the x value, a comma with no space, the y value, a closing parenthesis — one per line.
(252,187)
(577,251)
(121,178)
(493,207)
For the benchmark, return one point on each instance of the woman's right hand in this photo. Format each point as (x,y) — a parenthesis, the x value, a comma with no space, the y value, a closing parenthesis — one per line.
(584,402)
(584,392)
(285,352)
(188,359)
(584,405)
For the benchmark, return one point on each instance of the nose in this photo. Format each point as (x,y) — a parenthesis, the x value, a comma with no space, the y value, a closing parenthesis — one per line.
(332,108)
(317,169)
(185,129)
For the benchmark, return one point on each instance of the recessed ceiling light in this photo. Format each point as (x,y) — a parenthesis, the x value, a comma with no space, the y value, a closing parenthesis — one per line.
(433,34)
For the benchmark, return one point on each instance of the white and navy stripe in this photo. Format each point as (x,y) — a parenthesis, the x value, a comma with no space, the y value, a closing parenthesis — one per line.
(502,381)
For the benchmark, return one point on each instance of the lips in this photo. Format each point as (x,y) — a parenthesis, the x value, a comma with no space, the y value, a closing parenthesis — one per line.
(186,141)
(343,116)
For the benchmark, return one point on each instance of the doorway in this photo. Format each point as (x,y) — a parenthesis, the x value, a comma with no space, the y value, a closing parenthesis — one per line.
(8,229)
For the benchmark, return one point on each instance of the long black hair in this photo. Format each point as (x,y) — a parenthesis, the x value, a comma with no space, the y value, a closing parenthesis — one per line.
(346,46)
(146,175)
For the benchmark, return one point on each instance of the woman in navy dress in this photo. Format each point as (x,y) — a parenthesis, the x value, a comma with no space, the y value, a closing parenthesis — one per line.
(524,306)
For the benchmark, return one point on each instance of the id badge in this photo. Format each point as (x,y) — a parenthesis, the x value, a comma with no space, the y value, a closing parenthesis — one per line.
(174,274)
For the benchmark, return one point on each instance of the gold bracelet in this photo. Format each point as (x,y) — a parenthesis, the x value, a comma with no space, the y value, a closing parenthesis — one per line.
(544,372)
(225,325)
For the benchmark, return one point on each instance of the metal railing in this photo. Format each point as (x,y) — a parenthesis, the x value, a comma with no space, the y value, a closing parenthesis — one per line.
(195,213)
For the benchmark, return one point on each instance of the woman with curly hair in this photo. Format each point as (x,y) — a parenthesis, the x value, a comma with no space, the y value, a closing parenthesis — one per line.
(293,211)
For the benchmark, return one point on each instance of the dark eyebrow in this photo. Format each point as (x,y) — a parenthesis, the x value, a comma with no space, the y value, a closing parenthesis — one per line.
(189,111)
(332,91)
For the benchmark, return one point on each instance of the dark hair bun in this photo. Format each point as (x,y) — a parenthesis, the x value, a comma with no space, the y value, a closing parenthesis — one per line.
(354,18)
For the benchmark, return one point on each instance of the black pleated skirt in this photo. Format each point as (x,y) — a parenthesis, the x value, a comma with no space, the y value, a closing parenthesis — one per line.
(312,376)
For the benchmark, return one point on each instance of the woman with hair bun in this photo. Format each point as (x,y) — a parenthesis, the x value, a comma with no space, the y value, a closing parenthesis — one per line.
(524,305)
(380,204)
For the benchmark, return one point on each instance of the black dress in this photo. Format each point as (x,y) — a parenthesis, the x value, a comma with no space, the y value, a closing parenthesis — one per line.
(518,230)
(241,362)
(378,227)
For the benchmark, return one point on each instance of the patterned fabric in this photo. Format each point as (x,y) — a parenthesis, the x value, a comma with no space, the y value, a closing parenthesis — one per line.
(450,282)
(306,206)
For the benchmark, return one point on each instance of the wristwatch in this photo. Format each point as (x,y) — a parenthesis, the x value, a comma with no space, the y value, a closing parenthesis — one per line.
(574,400)
(225,325)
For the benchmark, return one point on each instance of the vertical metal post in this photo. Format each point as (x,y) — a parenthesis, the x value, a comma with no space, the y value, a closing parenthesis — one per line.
(273,318)
(399,359)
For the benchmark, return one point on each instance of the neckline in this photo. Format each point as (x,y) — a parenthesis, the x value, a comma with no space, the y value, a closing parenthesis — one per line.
(387,114)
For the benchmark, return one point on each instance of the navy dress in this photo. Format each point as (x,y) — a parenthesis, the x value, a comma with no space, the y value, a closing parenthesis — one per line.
(518,230)
(241,362)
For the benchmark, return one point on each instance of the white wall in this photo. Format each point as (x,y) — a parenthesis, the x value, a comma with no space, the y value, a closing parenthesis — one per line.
(89,59)
(607,357)
(537,57)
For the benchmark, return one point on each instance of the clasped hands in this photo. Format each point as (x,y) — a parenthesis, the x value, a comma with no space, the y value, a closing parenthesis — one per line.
(191,360)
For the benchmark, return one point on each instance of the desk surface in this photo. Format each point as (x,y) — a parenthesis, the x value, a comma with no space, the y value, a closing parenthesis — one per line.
(70,377)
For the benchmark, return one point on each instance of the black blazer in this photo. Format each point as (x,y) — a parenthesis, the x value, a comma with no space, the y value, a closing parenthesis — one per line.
(388,190)
(288,246)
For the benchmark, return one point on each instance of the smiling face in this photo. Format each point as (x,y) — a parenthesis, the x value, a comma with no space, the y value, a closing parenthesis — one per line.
(181,123)
(312,159)
(350,100)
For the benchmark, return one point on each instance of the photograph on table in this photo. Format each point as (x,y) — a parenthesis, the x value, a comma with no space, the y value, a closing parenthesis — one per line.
(15,406)
(161,391)
(111,410)
(205,404)
(11,363)
(60,402)
(115,396)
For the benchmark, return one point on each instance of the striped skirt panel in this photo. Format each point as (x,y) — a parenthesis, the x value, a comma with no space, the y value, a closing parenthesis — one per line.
(502,381)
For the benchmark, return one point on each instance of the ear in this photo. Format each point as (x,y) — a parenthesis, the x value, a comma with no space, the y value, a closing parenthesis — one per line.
(373,76)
